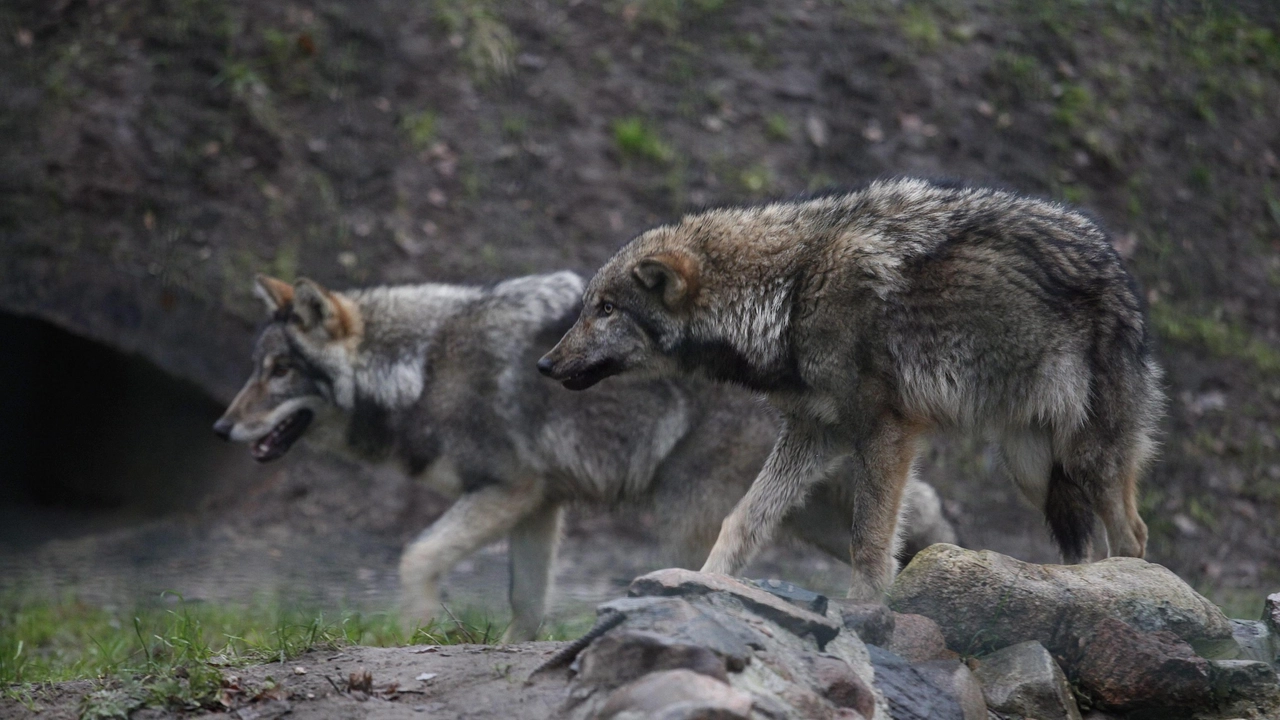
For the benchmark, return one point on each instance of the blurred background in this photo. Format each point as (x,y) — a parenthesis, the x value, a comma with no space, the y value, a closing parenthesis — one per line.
(155,154)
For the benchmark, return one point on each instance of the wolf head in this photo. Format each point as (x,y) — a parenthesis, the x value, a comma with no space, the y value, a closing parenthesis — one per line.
(302,364)
(634,316)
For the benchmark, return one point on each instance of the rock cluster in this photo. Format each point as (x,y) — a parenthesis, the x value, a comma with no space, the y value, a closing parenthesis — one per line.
(1129,635)
(966,636)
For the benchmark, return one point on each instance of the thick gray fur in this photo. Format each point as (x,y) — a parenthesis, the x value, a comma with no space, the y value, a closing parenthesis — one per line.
(442,379)
(872,317)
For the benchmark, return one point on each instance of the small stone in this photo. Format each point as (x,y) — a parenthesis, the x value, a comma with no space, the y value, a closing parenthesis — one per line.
(677,694)
(1256,641)
(1125,669)
(299,670)
(872,622)
(838,683)
(918,639)
(677,582)
(815,128)
(423,677)
(1247,688)
(1024,679)
(794,594)
(1271,613)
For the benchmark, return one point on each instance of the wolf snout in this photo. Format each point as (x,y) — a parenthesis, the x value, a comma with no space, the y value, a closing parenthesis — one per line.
(222,428)
(547,366)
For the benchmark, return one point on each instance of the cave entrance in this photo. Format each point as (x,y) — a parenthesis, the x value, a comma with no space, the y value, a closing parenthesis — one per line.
(93,437)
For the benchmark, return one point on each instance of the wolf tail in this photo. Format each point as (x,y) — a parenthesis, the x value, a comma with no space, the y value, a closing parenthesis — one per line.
(1069,512)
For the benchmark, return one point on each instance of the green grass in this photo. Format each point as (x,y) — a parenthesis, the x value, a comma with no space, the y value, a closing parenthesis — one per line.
(636,138)
(1218,337)
(419,127)
(777,127)
(171,654)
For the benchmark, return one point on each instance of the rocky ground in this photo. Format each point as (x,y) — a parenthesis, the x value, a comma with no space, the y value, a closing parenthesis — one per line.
(965,636)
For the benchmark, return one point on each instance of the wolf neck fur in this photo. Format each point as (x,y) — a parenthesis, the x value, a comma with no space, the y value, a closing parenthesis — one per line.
(389,365)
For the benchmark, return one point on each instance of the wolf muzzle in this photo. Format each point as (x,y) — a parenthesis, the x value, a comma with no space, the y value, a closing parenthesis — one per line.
(577,375)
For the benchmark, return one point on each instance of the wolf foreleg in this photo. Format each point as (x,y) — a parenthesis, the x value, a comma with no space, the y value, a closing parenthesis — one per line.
(475,520)
(532,555)
(797,462)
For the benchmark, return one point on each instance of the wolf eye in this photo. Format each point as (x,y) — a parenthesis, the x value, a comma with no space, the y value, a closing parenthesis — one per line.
(607,308)
(279,368)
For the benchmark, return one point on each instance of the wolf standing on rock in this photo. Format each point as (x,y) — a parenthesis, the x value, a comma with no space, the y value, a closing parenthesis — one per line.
(441,378)
(871,317)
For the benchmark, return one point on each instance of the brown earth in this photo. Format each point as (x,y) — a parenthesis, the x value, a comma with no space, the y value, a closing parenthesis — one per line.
(157,153)
(465,681)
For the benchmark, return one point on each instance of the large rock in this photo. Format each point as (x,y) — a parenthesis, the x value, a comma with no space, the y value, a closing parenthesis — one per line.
(686,583)
(913,693)
(1025,680)
(985,601)
(1245,689)
(1126,669)
(676,695)
(683,638)
(621,657)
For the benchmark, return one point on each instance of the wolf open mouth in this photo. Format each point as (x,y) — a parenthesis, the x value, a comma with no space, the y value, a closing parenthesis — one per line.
(282,436)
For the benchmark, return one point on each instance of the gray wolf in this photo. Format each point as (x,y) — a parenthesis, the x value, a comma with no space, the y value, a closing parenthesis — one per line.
(869,318)
(442,379)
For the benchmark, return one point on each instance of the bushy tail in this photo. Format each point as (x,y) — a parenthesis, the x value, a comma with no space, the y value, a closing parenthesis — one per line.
(1069,512)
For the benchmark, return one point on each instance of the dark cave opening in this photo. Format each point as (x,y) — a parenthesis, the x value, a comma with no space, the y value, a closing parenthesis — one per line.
(88,431)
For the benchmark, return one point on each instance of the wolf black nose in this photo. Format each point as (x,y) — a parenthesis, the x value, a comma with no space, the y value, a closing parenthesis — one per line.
(222,428)
(546,365)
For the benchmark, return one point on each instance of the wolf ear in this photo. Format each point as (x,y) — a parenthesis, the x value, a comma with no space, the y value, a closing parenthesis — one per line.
(317,307)
(275,294)
(675,275)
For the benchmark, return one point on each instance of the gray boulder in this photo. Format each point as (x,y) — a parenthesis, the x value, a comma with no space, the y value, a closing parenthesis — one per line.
(676,695)
(914,693)
(1245,689)
(985,601)
(687,645)
(1256,640)
(1025,680)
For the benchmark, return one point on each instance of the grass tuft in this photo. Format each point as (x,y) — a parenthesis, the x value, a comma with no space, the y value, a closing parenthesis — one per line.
(172,653)
(636,138)
(1216,336)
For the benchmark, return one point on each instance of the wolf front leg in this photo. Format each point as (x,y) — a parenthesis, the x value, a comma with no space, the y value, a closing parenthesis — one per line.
(475,520)
(798,460)
(879,470)
(532,555)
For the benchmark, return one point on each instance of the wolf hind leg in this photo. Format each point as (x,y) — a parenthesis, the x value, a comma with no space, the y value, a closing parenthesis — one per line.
(475,520)
(1118,507)
(1028,458)
(532,556)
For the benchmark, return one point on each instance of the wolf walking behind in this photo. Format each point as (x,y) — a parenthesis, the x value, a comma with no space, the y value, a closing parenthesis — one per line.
(442,378)
(871,317)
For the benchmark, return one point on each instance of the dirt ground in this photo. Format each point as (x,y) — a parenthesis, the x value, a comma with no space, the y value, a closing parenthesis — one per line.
(454,681)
